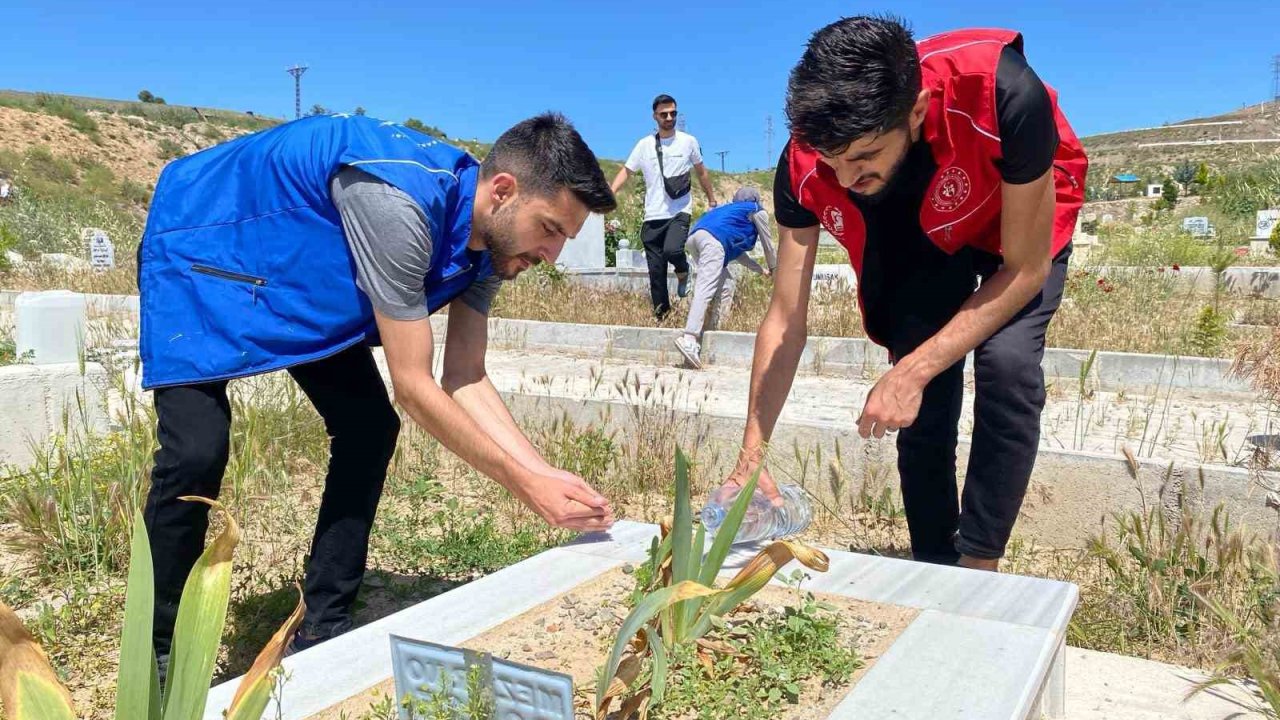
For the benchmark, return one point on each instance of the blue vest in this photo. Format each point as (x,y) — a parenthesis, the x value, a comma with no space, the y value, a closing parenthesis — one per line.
(731,225)
(244,267)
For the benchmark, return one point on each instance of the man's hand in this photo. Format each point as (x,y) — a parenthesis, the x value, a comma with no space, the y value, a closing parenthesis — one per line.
(564,503)
(740,476)
(893,403)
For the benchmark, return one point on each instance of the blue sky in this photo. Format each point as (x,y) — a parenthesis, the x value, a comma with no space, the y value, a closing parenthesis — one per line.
(475,68)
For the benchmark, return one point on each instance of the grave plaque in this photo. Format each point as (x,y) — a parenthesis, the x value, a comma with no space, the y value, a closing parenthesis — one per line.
(423,669)
(1266,221)
(102,253)
(1197,226)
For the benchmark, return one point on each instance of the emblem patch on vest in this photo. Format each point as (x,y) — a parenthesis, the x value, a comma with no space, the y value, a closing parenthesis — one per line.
(833,219)
(951,190)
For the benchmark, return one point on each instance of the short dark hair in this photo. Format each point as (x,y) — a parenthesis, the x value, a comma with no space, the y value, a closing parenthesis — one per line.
(858,75)
(546,154)
(663,99)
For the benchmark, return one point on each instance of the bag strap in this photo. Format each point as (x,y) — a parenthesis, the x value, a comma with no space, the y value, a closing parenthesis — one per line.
(657,145)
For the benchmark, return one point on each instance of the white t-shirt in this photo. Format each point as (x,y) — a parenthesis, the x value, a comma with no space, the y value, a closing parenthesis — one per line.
(680,153)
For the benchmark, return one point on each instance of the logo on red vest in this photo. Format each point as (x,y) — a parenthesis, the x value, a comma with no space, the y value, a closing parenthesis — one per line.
(833,219)
(951,190)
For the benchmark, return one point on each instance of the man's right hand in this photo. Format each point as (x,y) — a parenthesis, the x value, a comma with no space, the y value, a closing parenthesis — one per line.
(741,475)
(564,504)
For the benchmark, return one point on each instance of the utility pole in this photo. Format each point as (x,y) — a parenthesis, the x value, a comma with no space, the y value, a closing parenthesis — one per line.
(296,71)
(768,141)
(680,123)
(722,153)
(1275,79)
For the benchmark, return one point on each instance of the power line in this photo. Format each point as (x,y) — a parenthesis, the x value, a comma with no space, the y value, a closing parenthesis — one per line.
(722,153)
(296,71)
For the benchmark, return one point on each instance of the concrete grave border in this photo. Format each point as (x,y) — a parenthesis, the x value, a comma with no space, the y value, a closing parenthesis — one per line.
(984,645)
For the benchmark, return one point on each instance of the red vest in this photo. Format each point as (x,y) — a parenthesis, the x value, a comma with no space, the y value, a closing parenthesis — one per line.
(962,204)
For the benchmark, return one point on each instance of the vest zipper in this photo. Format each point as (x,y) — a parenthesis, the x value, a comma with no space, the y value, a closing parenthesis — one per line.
(456,273)
(256,282)
(228,275)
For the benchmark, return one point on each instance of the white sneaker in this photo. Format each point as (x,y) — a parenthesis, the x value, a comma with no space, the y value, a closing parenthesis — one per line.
(691,351)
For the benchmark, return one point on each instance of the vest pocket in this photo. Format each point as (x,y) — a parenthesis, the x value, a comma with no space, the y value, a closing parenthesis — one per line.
(228,275)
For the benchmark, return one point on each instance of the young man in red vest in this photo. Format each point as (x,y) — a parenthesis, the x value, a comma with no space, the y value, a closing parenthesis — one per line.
(937,165)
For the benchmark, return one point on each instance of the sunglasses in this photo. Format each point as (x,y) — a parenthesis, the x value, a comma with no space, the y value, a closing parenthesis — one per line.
(669,113)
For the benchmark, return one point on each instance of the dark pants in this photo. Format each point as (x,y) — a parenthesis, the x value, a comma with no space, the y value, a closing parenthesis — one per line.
(664,243)
(1010,395)
(193,430)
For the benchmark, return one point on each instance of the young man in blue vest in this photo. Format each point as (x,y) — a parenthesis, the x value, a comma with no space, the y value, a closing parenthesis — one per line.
(297,248)
(723,235)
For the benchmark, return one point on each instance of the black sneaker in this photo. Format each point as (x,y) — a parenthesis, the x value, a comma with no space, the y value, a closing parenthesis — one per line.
(306,638)
(682,286)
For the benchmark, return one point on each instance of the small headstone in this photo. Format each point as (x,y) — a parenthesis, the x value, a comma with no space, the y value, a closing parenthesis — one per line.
(13,257)
(1266,221)
(518,691)
(102,254)
(1108,218)
(1197,226)
(1260,247)
(1155,190)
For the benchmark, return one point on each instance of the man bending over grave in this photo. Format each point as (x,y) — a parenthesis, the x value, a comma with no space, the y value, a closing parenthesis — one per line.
(936,165)
(299,247)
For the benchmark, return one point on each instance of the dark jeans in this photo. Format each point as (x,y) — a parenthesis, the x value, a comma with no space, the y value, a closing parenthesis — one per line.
(193,430)
(1010,395)
(664,243)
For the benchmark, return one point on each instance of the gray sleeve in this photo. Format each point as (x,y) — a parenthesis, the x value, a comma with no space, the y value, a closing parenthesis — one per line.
(749,263)
(764,234)
(480,295)
(390,240)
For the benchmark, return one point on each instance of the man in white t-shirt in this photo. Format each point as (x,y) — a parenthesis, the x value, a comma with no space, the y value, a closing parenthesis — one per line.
(667,159)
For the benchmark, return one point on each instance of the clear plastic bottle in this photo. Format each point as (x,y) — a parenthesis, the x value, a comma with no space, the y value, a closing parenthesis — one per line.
(762,521)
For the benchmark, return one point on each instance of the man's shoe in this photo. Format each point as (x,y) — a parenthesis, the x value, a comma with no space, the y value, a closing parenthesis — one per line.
(306,638)
(691,351)
(682,285)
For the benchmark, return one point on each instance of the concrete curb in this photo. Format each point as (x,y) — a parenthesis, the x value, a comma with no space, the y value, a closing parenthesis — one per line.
(1071,494)
(857,356)
(830,355)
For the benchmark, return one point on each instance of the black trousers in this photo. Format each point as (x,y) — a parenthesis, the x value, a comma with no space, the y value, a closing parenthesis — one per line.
(1010,395)
(193,430)
(664,243)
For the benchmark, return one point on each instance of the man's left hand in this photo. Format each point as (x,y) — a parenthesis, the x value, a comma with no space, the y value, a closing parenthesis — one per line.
(892,404)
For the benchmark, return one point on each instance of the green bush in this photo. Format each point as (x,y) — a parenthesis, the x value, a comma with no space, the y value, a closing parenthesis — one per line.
(1209,333)
(168,150)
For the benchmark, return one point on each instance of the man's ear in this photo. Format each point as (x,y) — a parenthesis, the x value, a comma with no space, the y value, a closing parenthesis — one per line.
(504,187)
(920,109)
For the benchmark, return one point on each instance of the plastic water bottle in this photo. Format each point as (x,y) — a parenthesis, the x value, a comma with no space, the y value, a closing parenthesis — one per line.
(762,520)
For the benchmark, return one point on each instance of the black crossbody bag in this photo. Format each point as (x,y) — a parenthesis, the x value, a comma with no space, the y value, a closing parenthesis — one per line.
(676,187)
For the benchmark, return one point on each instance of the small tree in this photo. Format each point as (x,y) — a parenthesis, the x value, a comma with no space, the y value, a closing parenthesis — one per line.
(1274,239)
(146,96)
(1185,174)
(318,109)
(359,110)
(1169,193)
(1202,175)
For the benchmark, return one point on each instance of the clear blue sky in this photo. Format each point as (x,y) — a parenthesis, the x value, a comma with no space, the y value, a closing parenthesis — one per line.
(474,68)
